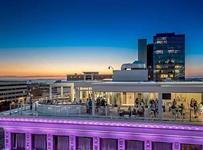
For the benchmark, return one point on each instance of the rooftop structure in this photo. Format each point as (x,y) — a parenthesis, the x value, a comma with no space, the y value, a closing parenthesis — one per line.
(116,115)
(142,50)
(88,76)
(133,66)
(150,48)
(131,72)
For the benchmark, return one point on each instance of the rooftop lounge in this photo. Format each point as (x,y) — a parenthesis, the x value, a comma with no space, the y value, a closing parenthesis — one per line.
(94,115)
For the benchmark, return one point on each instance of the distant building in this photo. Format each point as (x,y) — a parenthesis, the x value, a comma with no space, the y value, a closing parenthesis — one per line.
(169,57)
(142,50)
(39,90)
(131,72)
(145,55)
(88,76)
(12,91)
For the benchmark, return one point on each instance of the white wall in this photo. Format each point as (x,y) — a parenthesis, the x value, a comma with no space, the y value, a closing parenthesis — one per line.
(130,75)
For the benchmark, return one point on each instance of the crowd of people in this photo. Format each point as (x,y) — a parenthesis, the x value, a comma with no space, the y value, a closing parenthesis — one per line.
(152,108)
(141,107)
(153,105)
(194,107)
(88,104)
(175,109)
(101,105)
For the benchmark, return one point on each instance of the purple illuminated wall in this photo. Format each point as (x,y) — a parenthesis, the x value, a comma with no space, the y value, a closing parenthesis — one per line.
(99,129)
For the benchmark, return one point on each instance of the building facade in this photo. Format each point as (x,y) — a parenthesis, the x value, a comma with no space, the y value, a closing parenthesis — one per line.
(169,56)
(131,72)
(150,48)
(12,91)
(142,50)
(86,134)
(88,76)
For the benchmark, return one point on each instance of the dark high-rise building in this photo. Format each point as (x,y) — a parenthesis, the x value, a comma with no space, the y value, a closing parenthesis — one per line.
(150,48)
(142,50)
(145,55)
(169,56)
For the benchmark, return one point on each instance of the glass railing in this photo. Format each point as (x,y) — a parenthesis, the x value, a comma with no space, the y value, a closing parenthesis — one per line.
(108,112)
(178,115)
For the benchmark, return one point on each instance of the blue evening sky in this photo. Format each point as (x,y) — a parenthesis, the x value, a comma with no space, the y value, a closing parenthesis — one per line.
(66,36)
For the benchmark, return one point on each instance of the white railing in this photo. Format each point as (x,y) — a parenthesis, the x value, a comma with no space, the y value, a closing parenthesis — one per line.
(61,110)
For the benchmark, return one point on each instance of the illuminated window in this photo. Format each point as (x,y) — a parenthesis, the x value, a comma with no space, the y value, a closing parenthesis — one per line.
(158,51)
(172,60)
(177,51)
(161,40)
(177,66)
(158,66)
(171,51)
(171,76)
(164,76)
(177,71)
(167,61)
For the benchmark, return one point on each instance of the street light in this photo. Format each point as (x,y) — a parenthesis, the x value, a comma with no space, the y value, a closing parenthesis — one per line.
(110,67)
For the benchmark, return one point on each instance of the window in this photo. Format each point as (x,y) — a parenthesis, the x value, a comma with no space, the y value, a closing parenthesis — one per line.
(171,51)
(177,66)
(177,51)
(171,76)
(191,147)
(161,145)
(158,66)
(134,145)
(164,76)
(177,71)
(158,51)
(161,40)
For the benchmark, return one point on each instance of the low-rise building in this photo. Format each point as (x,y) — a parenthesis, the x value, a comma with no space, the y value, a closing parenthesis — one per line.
(12,91)
(88,76)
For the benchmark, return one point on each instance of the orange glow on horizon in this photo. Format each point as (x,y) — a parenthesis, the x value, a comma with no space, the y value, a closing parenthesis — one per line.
(60,72)
(194,71)
(62,68)
(20,70)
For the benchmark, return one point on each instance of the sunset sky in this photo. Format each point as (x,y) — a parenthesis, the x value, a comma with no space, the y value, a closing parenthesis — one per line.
(58,37)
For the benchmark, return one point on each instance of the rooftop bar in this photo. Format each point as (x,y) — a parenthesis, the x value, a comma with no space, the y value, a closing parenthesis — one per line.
(110,116)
